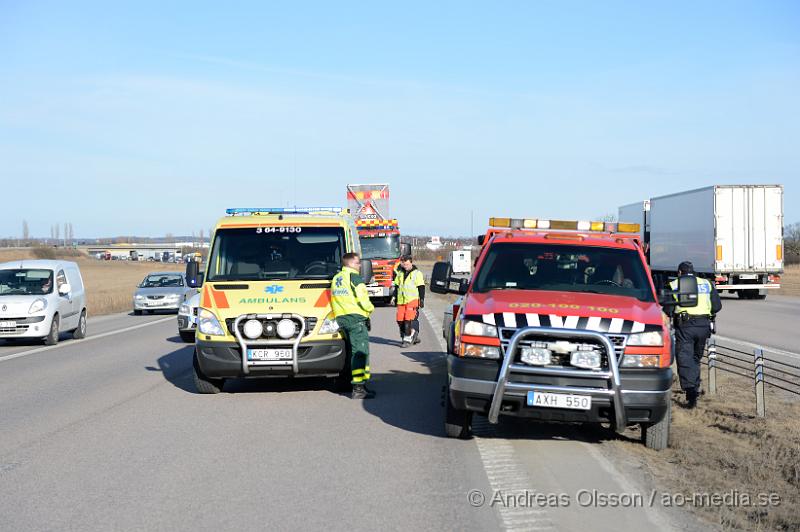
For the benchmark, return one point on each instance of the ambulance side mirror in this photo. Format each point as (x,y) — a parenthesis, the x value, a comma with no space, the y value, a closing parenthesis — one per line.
(405,249)
(366,271)
(193,279)
(481,239)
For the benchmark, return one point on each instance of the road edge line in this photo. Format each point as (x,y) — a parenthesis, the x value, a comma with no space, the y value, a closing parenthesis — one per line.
(78,342)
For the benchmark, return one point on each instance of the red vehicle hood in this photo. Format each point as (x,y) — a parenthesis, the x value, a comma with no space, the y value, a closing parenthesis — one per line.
(563,304)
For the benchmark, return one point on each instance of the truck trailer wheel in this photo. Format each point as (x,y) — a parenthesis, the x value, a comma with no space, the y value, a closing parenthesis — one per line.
(204,384)
(457,423)
(656,435)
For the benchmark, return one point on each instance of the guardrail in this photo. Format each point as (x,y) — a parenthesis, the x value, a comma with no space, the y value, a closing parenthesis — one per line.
(758,364)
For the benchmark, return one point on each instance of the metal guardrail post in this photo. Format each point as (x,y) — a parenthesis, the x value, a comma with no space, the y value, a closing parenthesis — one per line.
(759,380)
(712,366)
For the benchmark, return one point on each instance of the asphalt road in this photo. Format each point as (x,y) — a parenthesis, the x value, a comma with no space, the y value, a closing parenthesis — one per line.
(107,433)
(772,322)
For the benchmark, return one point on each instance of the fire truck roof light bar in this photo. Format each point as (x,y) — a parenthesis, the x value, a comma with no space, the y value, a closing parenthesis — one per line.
(564,225)
(256,211)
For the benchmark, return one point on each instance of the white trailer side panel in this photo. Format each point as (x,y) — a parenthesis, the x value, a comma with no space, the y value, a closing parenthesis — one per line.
(749,223)
(682,228)
(636,213)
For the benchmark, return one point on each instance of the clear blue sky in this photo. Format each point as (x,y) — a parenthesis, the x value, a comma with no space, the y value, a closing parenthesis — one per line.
(152,118)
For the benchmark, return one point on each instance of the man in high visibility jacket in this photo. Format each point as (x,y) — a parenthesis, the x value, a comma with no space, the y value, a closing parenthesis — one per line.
(352,309)
(693,326)
(410,286)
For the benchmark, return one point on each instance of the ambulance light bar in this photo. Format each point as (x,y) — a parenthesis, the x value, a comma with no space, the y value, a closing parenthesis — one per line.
(261,211)
(564,225)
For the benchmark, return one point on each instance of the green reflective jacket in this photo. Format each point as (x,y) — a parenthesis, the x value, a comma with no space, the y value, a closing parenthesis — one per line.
(349,294)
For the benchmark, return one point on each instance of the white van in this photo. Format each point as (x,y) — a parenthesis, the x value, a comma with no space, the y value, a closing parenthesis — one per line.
(40,299)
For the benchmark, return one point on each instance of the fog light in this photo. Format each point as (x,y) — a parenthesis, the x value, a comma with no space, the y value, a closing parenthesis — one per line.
(586,359)
(253,329)
(286,328)
(535,356)
(480,351)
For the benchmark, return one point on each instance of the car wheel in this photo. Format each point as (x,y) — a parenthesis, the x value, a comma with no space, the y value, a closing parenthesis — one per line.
(80,332)
(457,423)
(137,312)
(187,336)
(52,337)
(656,435)
(202,383)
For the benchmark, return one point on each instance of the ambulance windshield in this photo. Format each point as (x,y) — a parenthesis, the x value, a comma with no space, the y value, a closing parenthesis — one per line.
(564,268)
(273,253)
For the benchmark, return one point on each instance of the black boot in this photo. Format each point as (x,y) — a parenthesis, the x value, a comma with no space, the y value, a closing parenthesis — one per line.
(370,392)
(360,392)
(691,398)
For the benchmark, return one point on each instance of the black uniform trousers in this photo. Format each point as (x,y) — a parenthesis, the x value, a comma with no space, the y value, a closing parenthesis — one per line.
(690,342)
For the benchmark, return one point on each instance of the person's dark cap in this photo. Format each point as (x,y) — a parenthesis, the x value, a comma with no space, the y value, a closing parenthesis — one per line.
(686,267)
(404,258)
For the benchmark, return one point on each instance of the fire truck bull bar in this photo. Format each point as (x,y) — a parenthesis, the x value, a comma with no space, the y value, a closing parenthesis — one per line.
(611,375)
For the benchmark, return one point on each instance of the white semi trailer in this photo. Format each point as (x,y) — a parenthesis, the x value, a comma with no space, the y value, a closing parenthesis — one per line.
(733,234)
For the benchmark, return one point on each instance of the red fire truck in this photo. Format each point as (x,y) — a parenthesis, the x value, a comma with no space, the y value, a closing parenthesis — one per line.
(379,235)
(560,321)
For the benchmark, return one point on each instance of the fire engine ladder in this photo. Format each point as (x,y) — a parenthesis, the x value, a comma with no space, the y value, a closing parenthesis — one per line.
(611,375)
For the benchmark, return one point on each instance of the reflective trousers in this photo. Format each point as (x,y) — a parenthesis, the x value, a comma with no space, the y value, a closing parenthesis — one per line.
(353,329)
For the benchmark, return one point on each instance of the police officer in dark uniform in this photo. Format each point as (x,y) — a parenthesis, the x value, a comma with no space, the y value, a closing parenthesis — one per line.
(693,326)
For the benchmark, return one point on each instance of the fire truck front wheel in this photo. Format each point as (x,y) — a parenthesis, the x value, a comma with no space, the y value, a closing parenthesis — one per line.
(457,423)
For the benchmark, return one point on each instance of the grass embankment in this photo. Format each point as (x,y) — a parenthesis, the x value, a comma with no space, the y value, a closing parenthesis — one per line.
(790,281)
(723,447)
(109,284)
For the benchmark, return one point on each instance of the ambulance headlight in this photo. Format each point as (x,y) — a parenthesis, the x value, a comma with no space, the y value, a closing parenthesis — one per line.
(651,338)
(535,356)
(208,324)
(476,328)
(286,328)
(253,329)
(329,326)
(586,359)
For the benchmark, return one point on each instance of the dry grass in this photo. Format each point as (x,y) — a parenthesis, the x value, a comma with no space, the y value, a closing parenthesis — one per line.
(109,284)
(790,281)
(723,446)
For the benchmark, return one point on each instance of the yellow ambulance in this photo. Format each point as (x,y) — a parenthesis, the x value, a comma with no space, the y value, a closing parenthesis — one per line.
(265,296)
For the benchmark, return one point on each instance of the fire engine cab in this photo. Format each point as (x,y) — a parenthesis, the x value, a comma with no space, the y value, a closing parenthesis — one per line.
(560,321)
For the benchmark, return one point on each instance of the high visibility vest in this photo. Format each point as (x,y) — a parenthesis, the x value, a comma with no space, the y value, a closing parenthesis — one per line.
(349,294)
(703,307)
(408,284)
(396,270)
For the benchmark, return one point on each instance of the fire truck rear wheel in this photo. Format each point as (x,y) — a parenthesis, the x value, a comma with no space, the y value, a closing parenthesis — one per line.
(457,423)
(656,435)
(204,384)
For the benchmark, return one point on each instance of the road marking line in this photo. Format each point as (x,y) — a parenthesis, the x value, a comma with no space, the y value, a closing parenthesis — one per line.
(506,475)
(764,347)
(78,342)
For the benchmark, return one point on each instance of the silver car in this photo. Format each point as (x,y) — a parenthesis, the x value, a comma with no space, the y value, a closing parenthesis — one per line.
(187,318)
(161,291)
